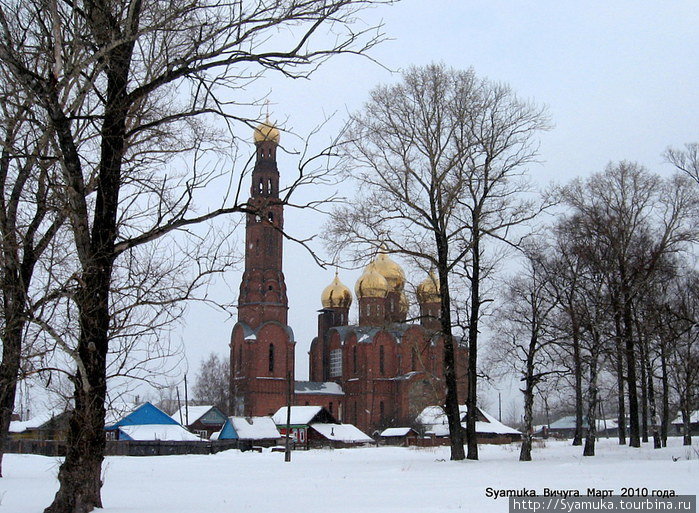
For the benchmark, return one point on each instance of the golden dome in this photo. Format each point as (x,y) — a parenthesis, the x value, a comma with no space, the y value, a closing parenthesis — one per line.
(266,132)
(390,270)
(336,295)
(428,290)
(371,283)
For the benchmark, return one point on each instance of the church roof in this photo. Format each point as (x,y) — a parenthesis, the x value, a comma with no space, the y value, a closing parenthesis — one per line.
(318,387)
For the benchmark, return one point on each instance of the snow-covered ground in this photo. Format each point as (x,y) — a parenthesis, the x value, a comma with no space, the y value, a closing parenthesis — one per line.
(382,479)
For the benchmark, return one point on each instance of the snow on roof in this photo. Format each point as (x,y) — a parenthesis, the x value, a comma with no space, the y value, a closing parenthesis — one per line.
(299,415)
(20,426)
(165,432)
(193,413)
(397,431)
(255,428)
(564,423)
(435,420)
(693,417)
(318,387)
(342,433)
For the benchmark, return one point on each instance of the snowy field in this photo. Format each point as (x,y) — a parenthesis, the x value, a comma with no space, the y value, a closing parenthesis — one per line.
(384,480)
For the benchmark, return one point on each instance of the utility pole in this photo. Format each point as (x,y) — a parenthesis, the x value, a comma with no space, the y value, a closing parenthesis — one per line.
(287,444)
(186,402)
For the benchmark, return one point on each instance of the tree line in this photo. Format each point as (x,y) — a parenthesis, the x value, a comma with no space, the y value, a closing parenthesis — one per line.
(607,294)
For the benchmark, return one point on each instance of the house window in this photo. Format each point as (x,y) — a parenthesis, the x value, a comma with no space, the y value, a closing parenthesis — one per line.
(381,360)
(271,358)
(336,362)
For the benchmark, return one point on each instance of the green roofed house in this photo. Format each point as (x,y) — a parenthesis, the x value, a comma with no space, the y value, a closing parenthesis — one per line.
(202,420)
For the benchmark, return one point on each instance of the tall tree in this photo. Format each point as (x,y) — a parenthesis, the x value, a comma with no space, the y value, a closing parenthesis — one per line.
(637,218)
(526,335)
(30,216)
(114,77)
(439,160)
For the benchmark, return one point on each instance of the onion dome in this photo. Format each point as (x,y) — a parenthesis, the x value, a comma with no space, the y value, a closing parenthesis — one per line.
(371,283)
(336,295)
(428,290)
(390,270)
(266,132)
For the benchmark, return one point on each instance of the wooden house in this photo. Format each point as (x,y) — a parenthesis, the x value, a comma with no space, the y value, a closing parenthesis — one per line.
(399,436)
(48,426)
(250,432)
(201,420)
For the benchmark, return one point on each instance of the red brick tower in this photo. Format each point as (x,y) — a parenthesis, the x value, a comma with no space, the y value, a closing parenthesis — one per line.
(262,344)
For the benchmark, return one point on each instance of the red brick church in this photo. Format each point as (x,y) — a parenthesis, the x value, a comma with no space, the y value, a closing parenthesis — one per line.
(381,372)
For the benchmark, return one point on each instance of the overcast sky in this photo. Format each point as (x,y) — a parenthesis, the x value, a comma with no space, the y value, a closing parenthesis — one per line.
(619,79)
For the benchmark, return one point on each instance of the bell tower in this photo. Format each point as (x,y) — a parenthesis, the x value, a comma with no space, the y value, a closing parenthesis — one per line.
(262,289)
(262,344)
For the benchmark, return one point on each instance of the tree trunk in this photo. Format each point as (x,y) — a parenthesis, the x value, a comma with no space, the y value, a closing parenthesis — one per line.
(621,408)
(472,440)
(590,438)
(657,443)
(644,392)
(630,353)
(577,365)
(525,454)
(686,424)
(451,403)
(665,421)
(9,371)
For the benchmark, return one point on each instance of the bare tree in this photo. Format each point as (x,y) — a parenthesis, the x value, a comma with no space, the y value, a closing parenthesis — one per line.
(526,336)
(439,160)
(212,382)
(106,74)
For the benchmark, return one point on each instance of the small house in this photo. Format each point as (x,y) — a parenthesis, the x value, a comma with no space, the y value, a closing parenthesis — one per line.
(201,420)
(250,431)
(488,429)
(336,435)
(678,424)
(47,426)
(301,419)
(144,415)
(399,436)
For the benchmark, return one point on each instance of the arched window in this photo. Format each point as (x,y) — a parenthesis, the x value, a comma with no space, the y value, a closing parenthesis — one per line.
(270,216)
(259,187)
(240,358)
(271,358)
(354,359)
(413,359)
(381,360)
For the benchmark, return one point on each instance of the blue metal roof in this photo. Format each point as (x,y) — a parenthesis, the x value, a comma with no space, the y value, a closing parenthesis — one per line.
(144,414)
